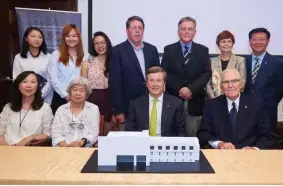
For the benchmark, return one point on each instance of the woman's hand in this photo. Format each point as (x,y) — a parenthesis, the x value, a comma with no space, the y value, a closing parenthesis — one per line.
(26,141)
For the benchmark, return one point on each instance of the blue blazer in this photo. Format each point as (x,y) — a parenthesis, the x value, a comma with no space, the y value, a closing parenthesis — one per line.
(268,83)
(252,124)
(126,81)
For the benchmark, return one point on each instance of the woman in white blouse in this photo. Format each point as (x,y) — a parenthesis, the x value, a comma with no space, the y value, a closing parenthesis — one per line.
(65,64)
(27,119)
(76,123)
(34,57)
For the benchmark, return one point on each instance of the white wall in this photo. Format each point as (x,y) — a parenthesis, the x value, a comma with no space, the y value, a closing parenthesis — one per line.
(213,16)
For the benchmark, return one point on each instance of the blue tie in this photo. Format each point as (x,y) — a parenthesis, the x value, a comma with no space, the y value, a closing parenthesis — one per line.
(233,115)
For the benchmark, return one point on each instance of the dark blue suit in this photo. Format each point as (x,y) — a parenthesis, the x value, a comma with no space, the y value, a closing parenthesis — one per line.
(268,84)
(251,127)
(126,81)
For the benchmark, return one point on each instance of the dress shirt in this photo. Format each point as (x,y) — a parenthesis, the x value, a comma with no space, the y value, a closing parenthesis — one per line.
(33,122)
(189,45)
(159,105)
(140,55)
(60,74)
(68,127)
(214,144)
(37,64)
(260,59)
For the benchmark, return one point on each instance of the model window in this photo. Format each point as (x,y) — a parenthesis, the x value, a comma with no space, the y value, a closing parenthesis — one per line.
(151,147)
(167,147)
(175,147)
(191,148)
(183,147)
(159,147)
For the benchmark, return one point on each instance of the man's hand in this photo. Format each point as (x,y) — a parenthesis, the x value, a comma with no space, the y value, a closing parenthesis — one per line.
(223,145)
(77,143)
(249,148)
(185,93)
(121,118)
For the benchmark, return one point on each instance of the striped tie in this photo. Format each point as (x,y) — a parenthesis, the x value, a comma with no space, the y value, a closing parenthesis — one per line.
(255,70)
(186,54)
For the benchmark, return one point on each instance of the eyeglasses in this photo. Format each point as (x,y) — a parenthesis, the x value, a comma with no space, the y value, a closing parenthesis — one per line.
(187,29)
(257,40)
(136,27)
(100,44)
(233,82)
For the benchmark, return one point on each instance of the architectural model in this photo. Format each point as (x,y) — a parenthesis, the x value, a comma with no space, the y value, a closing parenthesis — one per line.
(139,151)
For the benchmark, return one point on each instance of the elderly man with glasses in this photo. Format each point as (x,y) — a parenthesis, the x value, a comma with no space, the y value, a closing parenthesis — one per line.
(235,120)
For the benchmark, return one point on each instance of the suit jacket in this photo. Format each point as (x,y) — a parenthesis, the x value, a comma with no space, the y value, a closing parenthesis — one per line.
(268,83)
(251,128)
(126,81)
(236,62)
(196,78)
(172,119)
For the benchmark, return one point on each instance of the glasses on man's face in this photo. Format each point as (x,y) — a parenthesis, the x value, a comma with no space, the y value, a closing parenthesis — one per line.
(258,40)
(100,44)
(136,27)
(187,29)
(232,82)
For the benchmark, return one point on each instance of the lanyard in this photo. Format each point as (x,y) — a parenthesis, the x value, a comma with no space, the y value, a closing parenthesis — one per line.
(21,120)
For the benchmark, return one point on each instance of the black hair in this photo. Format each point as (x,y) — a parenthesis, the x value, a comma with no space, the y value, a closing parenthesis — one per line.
(257,30)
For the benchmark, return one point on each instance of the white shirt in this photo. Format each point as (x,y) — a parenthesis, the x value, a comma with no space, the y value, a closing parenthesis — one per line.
(38,65)
(67,127)
(60,74)
(33,122)
(214,144)
(159,112)
(140,55)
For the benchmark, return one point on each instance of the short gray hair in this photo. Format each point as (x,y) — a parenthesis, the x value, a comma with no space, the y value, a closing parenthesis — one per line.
(81,81)
(187,19)
(229,70)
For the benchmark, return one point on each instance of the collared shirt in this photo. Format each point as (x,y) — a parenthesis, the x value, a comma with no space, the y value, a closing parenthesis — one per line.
(260,59)
(140,55)
(15,126)
(37,64)
(159,112)
(68,127)
(214,144)
(189,45)
(60,74)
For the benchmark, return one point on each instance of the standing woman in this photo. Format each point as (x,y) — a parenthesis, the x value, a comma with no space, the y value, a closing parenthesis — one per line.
(65,64)
(96,69)
(34,57)
(225,42)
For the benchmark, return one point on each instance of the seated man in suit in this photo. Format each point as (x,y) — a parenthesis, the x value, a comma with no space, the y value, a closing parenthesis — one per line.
(160,113)
(235,120)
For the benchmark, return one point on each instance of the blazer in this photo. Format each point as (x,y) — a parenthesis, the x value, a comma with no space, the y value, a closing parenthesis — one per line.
(126,80)
(172,119)
(268,83)
(251,128)
(195,78)
(213,87)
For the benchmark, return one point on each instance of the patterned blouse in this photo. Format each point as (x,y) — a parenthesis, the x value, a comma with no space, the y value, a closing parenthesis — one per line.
(96,75)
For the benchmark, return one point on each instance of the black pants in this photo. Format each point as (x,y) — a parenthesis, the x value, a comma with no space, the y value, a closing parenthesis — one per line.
(57,101)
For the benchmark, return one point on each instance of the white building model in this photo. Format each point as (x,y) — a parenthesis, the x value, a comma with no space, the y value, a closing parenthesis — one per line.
(139,149)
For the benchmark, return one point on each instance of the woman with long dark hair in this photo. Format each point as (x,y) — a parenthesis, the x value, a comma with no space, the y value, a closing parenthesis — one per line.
(27,119)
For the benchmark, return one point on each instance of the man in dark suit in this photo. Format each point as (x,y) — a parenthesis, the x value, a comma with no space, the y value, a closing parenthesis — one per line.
(235,120)
(158,112)
(128,65)
(188,68)
(264,73)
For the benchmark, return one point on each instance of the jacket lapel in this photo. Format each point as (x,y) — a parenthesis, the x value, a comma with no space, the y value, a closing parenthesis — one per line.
(132,54)
(262,68)
(249,70)
(164,120)
(144,111)
(241,116)
(232,61)
(179,57)
(227,124)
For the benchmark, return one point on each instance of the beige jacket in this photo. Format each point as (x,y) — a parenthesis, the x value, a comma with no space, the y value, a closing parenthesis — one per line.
(213,87)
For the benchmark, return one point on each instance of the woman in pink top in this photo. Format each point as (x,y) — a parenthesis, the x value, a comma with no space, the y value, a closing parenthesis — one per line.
(96,70)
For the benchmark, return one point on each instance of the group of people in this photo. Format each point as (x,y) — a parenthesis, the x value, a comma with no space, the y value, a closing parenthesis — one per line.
(227,101)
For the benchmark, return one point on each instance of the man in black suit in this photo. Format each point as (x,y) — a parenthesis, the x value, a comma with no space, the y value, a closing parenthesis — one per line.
(158,112)
(188,68)
(264,73)
(235,120)
(128,65)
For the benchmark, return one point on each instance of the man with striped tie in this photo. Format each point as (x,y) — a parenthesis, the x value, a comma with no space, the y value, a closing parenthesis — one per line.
(264,73)
(188,67)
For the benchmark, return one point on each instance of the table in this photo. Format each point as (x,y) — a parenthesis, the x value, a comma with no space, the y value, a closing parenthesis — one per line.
(55,165)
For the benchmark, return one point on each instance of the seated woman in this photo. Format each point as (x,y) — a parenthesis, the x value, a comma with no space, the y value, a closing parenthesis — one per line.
(27,119)
(76,123)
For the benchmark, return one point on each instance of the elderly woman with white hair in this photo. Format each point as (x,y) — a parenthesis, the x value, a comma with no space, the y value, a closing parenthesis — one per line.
(76,123)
